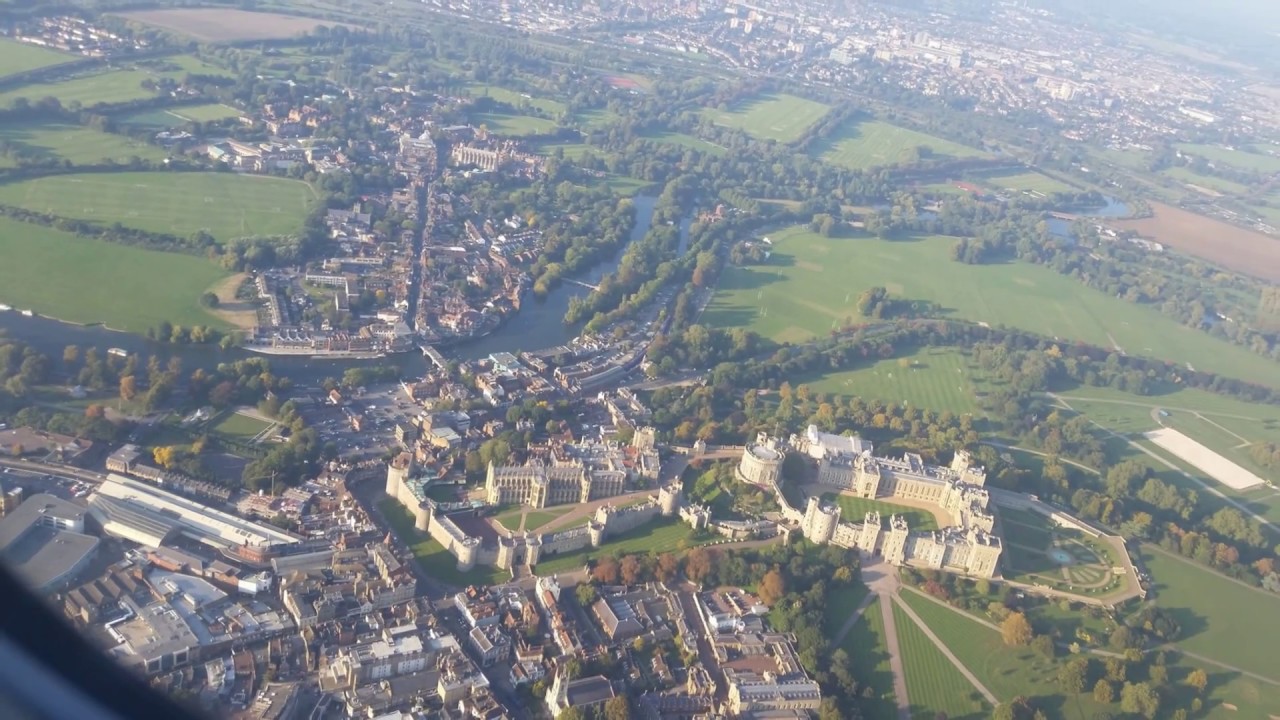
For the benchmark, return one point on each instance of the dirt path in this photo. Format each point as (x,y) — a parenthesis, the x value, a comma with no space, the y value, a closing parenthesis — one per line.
(242,314)
(853,619)
(990,696)
(895,659)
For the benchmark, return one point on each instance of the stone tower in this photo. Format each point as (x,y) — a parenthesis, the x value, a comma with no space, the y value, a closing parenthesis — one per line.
(669,499)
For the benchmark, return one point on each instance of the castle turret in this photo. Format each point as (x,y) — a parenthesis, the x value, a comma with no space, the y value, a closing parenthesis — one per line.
(895,541)
(820,521)
(595,531)
(669,497)
(399,470)
(869,537)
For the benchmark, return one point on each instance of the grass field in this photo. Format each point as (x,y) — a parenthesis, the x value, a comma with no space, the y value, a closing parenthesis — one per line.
(514,125)
(240,426)
(79,144)
(810,286)
(1215,184)
(659,536)
(868,143)
(225,24)
(116,86)
(537,518)
(17,57)
(437,562)
(175,117)
(937,379)
(1245,159)
(1032,182)
(516,99)
(80,280)
(1037,552)
(667,137)
(227,205)
(771,117)
(571,151)
(934,684)
(868,652)
(840,604)
(853,509)
(1220,619)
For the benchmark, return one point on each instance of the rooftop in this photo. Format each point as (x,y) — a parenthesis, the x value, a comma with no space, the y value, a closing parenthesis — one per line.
(589,691)
(41,542)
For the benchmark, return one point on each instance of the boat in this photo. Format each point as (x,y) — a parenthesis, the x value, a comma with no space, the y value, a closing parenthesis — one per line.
(5,308)
(118,352)
(28,313)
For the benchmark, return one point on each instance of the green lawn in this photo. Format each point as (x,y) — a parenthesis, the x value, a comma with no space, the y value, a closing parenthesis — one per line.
(178,116)
(17,57)
(538,518)
(933,683)
(116,86)
(1247,158)
(1007,672)
(771,117)
(595,118)
(936,379)
(840,604)
(854,509)
(810,286)
(510,519)
(685,141)
(663,535)
(438,563)
(227,205)
(87,281)
(868,143)
(1191,177)
(1032,182)
(514,125)
(515,99)
(240,426)
(869,656)
(1220,619)
(79,144)
(571,151)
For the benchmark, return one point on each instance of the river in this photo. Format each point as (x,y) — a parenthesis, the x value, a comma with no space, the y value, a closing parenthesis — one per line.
(538,324)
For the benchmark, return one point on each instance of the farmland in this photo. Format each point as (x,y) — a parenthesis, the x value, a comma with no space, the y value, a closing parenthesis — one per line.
(1222,623)
(933,683)
(936,379)
(810,286)
(116,86)
(1216,241)
(771,117)
(75,143)
(16,57)
(225,25)
(868,143)
(79,280)
(853,509)
(228,206)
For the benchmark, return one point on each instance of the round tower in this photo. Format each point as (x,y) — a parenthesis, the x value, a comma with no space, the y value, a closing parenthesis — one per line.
(669,499)
(595,531)
(467,554)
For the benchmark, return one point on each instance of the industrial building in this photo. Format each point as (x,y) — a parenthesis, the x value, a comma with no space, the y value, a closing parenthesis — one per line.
(44,542)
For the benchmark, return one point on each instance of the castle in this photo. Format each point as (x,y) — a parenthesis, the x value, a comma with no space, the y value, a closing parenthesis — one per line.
(966,546)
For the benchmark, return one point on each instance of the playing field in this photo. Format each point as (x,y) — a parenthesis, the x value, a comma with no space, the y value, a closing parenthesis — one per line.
(87,281)
(686,141)
(227,205)
(854,509)
(116,86)
(933,683)
(514,125)
(17,57)
(240,426)
(810,286)
(869,143)
(76,143)
(1247,158)
(935,379)
(516,99)
(1030,182)
(1209,182)
(1220,619)
(771,117)
(225,24)
(164,118)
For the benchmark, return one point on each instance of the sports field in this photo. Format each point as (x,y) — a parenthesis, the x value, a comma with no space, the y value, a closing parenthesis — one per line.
(227,205)
(853,509)
(116,86)
(1246,158)
(76,143)
(1032,182)
(868,143)
(667,137)
(225,24)
(1220,619)
(935,379)
(82,280)
(516,99)
(178,116)
(514,125)
(240,426)
(933,683)
(1209,182)
(810,286)
(17,57)
(771,117)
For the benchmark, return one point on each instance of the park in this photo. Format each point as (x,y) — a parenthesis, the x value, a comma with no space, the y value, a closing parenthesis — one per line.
(862,143)
(783,118)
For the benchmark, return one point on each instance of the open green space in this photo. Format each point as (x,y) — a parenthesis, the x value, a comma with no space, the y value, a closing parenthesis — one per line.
(869,656)
(514,125)
(163,118)
(434,559)
(85,281)
(853,509)
(1217,184)
(537,518)
(1039,553)
(810,286)
(685,141)
(841,602)
(241,426)
(1006,671)
(75,143)
(116,86)
(510,519)
(1245,158)
(595,118)
(864,143)
(570,151)
(663,535)
(1221,619)
(937,379)
(515,99)
(226,205)
(1032,182)
(934,684)
(771,117)
(17,57)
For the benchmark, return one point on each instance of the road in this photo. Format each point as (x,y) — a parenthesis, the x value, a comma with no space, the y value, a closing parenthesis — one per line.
(59,470)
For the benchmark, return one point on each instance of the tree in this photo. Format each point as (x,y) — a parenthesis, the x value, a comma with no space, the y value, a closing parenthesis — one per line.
(606,571)
(1016,630)
(1140,698)
(1198,679)
(128,388)
(586,594)
(571,714)
(617,709)
(772,587)
(1074,675)
(1104,693)
(630,570)
(572,669)
(1043,644)
(165,455)
(209,300)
